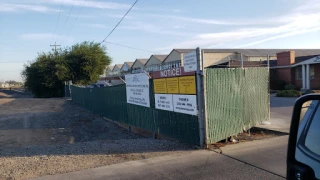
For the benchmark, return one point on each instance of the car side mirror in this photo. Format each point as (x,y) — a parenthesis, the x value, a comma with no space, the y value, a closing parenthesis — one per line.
(303,157)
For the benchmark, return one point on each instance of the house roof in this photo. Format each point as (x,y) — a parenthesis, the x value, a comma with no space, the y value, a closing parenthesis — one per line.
(300,59)
(129,63)
(257,52)
(184,50)
(142,61)
(110,67)
(160,57)
(313,60)
(117,65)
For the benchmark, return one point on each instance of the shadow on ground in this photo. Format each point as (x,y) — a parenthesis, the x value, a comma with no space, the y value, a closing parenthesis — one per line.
(14,93)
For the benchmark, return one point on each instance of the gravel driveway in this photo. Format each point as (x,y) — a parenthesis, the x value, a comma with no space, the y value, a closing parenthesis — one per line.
(49,136)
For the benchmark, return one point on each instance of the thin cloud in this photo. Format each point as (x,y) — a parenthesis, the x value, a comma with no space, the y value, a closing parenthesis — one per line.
(308,5)
(7,7)
(90,4)
(100,26)
(301,24)
(150,28)
(288,34)
(195,20)
(84,16)
(41,36)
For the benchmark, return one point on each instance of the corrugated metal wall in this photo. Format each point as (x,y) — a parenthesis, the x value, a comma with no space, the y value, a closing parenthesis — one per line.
(111,103)
(236,100)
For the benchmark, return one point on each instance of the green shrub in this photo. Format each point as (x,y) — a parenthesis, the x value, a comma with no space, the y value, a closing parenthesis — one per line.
(289,93)
(289,87)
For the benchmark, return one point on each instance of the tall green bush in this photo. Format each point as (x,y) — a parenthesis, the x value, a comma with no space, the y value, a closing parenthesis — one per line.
(82,63)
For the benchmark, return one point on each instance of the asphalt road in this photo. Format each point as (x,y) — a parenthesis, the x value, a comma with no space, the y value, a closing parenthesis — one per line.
(199,164)
(268,154)
(280,113)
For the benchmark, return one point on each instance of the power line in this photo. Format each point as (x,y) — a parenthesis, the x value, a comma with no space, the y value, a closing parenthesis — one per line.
(119,21)
(55,29)
(76,17)
(130,47)
(65,23)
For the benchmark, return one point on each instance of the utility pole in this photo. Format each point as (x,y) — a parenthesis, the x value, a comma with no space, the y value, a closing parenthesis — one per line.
(199,74)
(55,46)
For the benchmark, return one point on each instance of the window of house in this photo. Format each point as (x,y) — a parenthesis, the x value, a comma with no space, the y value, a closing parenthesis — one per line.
(298,73)
(311,72)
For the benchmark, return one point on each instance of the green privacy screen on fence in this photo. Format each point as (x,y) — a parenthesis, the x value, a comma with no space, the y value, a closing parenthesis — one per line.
(111,103)
(236,100)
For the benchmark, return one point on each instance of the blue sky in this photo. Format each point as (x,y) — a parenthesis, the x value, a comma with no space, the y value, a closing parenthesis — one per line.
(30,26)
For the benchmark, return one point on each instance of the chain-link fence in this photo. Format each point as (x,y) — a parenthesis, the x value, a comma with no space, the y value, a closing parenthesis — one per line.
(236,100)
(111,103)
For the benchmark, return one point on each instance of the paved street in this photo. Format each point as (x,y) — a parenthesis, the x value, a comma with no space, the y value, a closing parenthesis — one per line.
(268,154)
(280,113)
(199,164)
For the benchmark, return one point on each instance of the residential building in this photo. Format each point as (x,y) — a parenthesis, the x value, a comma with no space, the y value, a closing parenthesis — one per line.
(154,62)
(109,70)
(300,68)
(139,65)
(116,69)
(126,67)
(215,57)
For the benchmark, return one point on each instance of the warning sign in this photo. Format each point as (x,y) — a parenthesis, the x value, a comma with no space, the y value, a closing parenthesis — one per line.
(173,85)
(187,85)
(163,101)
(160,86)
(186,104)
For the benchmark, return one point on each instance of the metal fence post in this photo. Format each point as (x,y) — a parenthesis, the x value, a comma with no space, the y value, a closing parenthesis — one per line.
(203,99)
(200,100)
(268,64)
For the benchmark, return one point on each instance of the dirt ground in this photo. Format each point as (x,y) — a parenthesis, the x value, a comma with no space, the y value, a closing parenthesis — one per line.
(49,136)
(253,134)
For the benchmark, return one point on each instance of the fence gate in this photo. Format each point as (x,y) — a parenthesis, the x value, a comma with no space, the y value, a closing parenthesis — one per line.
(236,100)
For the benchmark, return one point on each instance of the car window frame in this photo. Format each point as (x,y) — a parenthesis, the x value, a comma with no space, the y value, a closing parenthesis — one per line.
(302,138)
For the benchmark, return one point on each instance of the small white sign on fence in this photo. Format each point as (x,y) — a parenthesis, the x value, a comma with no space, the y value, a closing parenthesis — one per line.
(190,61)
(163,102)
(137,87)
(186,104)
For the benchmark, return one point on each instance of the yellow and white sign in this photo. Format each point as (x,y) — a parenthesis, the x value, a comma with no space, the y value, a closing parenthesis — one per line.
(160,86)
(187,85)
(173,85)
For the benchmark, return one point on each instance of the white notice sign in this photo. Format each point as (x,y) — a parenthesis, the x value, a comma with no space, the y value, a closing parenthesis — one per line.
(137,87)
(163,101)
(190,61)
(186,104)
